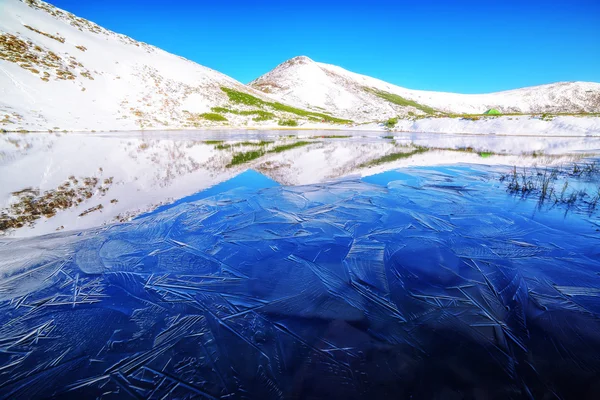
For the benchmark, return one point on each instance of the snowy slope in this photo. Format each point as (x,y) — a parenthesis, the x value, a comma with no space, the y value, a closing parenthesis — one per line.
(61,72)
(306,83)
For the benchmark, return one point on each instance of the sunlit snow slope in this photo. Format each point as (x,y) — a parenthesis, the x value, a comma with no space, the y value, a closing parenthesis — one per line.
(58,71)
(61,72)
(306,83)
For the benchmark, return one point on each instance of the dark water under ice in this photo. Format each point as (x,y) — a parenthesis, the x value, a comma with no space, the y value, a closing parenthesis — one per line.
(422,283)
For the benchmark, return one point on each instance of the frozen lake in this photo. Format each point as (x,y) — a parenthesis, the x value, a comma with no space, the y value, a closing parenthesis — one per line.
(423,281)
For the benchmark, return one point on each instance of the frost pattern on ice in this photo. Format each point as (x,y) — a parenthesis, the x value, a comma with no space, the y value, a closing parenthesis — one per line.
(343,290)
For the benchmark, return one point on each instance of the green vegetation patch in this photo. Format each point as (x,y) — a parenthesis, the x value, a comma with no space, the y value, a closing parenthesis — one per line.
(261,115)
(287,122)
(243,98)
(394,157)
(482,153)
(212,142)
(266,117)
(224,146)
(221,110)
(390,123)
(401,101)
(249,100)
(213,117)
(308,114)
(259,143)
(285,147)
(242,158)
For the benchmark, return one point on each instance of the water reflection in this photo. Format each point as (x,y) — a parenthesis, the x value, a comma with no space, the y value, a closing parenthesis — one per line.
(127,174)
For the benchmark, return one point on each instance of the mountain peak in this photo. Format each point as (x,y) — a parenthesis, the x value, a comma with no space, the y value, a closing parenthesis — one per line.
(277,79)
(299,60)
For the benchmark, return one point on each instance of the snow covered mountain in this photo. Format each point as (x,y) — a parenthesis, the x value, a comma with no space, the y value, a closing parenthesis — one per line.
(62,72)
(306,83)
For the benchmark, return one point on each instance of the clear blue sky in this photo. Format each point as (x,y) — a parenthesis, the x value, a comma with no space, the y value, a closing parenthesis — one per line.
(460,46)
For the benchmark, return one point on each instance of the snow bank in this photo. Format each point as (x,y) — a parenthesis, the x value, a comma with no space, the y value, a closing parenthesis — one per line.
(518,125)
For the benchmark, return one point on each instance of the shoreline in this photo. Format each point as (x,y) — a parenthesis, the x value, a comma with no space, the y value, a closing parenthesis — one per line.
(524,126)
(274,129)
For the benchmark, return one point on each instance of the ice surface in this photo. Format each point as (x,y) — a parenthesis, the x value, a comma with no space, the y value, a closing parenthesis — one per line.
(430,283)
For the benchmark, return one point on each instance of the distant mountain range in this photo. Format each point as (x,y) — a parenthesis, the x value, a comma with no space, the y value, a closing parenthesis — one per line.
(306,83)
(61,72)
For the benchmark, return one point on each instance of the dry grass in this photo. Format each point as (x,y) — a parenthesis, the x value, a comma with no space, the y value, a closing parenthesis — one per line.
(31,204)
(37,60)
(559,185)
(55,37)
(91,209)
